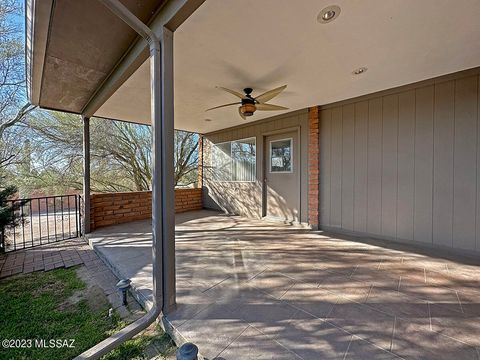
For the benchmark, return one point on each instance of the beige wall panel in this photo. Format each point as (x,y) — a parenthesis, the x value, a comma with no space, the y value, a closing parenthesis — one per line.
(423,164)
(348,165)
(374,200)
(416,164)
(406,165)
(325,166)
(443,163)
(465,186)
(361,176)
(389,165)
(336,169)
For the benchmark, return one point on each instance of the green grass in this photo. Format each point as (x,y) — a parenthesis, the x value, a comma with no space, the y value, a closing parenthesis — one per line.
(135,349)
(36,306)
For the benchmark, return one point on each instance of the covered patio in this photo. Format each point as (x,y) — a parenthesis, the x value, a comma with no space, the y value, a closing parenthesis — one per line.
(377,135)
(271,291)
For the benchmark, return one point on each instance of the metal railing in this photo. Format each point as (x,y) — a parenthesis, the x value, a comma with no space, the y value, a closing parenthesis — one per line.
(43,220)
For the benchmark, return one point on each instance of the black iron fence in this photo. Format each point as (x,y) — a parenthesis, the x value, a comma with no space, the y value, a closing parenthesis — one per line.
(42,220)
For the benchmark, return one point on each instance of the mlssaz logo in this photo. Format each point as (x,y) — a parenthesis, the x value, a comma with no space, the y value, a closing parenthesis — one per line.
(55,343)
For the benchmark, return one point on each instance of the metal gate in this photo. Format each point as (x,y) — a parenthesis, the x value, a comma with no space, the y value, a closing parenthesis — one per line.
(43,220)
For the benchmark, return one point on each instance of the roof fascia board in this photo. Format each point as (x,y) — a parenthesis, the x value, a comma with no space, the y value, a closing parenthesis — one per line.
(37,26)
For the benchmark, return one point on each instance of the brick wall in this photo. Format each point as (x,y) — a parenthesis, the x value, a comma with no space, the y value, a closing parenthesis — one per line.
(313,167)
(188,200)
(117,208)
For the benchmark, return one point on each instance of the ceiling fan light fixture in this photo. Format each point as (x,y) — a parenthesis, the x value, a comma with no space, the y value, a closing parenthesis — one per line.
(247,109)
(328,14)
(249,104)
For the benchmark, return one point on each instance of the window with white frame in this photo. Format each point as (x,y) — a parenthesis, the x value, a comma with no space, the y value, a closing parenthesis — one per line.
(235,160)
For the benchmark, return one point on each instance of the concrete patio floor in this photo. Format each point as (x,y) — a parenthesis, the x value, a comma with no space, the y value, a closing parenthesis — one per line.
(249,289)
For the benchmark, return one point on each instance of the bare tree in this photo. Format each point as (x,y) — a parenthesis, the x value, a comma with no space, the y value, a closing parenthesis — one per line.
(121,154)
(57,147)
(185,158)
(13,106)
(129,146)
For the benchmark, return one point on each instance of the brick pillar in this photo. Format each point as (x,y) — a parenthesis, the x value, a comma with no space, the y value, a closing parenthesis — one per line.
(313,167)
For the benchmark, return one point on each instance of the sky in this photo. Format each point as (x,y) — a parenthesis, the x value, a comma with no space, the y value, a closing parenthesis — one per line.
(20,18)
(18,21)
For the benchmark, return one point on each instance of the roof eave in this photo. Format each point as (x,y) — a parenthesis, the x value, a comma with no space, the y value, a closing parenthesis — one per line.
(38,15)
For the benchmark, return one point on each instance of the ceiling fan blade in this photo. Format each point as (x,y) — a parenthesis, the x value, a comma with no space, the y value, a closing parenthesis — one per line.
(233,92)
(269,95)
(240,113)
(266,107)
(221,106)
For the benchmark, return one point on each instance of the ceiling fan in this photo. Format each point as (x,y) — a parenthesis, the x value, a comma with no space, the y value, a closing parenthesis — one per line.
(249,104)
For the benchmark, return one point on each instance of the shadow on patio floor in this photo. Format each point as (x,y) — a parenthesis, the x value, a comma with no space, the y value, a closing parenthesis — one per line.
(269,290)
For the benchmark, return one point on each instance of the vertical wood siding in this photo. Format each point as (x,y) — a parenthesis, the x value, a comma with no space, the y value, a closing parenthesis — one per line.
(405,166)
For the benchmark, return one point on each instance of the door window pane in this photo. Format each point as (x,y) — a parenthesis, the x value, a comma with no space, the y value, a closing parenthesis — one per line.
(281,155)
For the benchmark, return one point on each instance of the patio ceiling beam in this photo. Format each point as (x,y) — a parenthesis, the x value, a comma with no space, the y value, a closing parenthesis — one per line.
(171,16)
(163,217)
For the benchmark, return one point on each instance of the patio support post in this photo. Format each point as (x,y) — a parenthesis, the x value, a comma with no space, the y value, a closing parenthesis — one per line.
(167,183)
(157,198)
(163,217)
(86,174)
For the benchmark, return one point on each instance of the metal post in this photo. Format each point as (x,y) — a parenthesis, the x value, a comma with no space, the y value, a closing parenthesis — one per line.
(167,183)
(157,196)
(86,174)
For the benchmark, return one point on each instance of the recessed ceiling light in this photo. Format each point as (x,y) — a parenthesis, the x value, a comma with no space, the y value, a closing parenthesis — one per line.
(328,14)
(359,71)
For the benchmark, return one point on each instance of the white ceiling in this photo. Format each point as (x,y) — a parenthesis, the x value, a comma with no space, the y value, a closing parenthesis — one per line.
(267,43)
